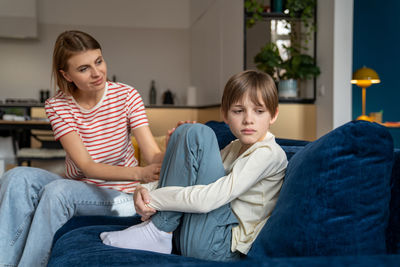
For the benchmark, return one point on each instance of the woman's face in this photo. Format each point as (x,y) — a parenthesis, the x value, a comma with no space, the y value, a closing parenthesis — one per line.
(87,70)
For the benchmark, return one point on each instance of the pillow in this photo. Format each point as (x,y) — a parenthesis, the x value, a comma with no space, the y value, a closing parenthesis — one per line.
(161,142)
(291,150)
(335,196)
(136,147)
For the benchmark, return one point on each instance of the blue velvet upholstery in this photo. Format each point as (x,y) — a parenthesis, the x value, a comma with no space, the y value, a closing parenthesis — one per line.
(222,131)
(82,246)
(393,231)
(334,203)
(335,196)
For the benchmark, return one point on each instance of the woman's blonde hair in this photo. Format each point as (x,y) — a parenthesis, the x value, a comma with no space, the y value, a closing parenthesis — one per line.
(69,43)
(254,82)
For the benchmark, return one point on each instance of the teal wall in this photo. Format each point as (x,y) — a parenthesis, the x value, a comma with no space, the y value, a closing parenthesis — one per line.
(376,44)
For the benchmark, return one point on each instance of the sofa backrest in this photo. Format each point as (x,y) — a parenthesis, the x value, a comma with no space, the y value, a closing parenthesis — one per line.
(391,192)
(335,196)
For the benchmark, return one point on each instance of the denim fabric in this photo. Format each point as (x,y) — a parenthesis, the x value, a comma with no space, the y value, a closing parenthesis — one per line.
(35,203)
(335,197)
(193,158)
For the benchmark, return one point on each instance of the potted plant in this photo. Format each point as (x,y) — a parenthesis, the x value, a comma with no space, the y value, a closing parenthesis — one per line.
(255,8)
(286,73)
(299,65)
(269,60)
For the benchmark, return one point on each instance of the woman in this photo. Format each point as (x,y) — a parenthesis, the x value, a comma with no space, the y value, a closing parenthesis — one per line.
(93,119)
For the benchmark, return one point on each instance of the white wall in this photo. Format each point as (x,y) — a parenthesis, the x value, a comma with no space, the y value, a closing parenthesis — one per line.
(334,57)
(216,46)
(343,62)
(118,13)
(177,43)
(141,40)
(325,62)
(18,18)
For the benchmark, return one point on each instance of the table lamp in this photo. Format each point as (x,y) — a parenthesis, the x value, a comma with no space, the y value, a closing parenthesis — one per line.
(364,78)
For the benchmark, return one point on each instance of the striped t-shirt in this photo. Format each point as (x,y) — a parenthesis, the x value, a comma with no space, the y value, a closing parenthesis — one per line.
(105,130)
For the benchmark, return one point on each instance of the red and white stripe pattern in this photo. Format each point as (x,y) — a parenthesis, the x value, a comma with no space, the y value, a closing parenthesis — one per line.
(105,130)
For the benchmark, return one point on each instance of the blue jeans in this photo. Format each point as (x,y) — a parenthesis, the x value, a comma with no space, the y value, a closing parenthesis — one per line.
(35,203)
(193,158)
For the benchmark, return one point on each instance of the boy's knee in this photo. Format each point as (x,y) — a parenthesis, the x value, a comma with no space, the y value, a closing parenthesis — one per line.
(195,129)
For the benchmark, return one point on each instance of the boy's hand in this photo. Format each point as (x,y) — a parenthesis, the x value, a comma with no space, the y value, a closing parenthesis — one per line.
(141,198)
(171,131)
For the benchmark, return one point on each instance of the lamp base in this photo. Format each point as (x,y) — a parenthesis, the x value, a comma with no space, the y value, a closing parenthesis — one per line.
(364,118)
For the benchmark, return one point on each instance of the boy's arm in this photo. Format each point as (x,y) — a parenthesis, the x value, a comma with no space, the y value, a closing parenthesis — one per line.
(262,163)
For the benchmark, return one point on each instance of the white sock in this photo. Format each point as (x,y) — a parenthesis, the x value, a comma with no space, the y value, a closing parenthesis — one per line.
(143,236)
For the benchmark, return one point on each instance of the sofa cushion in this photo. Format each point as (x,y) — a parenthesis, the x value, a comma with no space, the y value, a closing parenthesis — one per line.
(335,196)
(222,131)
(161,142)
(79,244)
(393,230)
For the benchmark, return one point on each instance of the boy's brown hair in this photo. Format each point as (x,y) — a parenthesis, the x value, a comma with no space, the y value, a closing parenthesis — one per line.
(254,82)
(68,44)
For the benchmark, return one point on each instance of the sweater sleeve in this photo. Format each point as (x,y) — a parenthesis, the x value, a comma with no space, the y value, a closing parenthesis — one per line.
(150,186)
(260,164)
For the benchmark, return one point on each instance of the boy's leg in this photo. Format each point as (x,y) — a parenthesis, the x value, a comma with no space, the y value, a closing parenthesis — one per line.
(61,200)
(192,157)
(20,191)
(206,236)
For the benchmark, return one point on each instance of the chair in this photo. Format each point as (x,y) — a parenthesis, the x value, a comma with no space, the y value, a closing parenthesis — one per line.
(46,148)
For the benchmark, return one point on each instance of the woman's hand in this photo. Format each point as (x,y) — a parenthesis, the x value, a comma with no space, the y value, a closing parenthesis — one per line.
(171,131)
(149,173)
(141,197)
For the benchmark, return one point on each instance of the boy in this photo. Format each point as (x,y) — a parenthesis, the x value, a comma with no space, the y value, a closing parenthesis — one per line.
(218,202)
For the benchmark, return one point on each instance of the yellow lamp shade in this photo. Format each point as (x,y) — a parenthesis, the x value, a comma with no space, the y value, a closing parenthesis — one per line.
(364,77)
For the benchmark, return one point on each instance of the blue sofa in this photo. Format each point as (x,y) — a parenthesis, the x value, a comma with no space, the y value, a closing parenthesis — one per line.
(339,206)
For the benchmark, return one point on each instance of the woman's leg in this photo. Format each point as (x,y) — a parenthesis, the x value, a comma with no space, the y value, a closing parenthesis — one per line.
(192,157)
(20,192)
(61,200)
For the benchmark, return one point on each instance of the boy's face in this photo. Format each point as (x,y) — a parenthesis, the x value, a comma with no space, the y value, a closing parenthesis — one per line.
(249,122)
